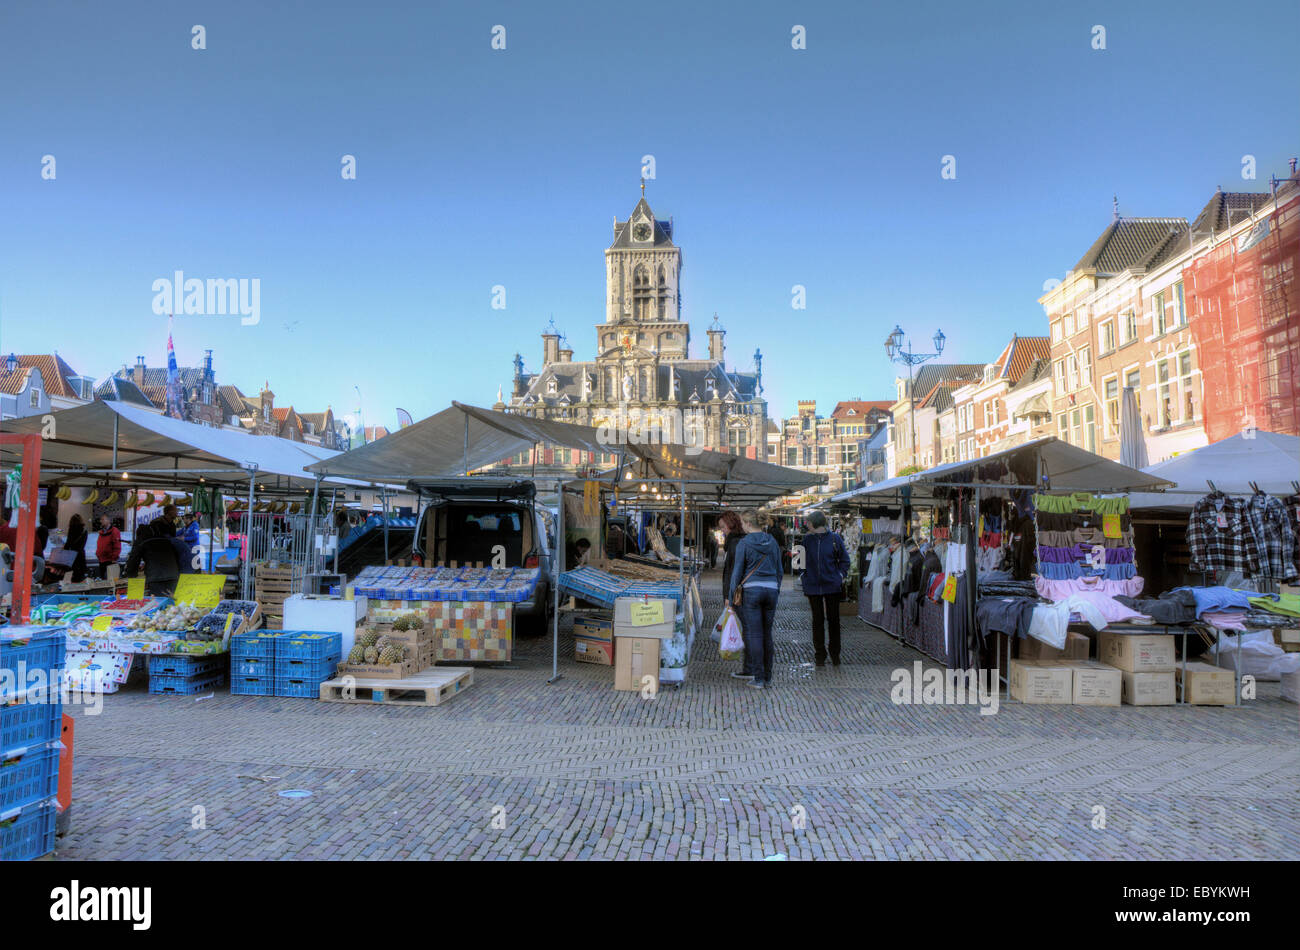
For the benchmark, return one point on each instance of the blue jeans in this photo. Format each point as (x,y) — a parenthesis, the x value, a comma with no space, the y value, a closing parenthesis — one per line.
(758,611)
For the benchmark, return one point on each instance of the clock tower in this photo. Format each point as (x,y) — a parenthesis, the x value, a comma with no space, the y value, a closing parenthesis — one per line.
(642,273)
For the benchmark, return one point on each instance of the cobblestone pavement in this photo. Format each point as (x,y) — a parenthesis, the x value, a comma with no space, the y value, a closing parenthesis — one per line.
(823,765)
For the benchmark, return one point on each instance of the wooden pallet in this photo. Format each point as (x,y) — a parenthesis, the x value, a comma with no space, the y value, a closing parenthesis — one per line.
(431,687)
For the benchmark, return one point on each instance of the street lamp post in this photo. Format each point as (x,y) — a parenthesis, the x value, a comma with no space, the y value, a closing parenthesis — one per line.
(894,350)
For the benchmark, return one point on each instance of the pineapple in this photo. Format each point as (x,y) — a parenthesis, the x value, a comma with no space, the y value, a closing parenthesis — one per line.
(389,655)
(358,654)
(371,655)
(367,637)
(383,642)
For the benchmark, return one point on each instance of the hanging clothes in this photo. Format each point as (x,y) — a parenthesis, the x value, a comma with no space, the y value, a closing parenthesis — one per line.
(1275,535)
(1221,536)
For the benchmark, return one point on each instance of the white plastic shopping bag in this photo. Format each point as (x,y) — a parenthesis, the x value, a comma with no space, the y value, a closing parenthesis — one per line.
(732,645)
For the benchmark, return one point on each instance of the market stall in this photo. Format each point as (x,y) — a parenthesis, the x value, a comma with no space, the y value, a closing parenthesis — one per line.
(1031,560)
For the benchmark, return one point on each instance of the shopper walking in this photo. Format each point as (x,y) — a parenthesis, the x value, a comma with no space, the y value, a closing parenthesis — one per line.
(108,547)
(757,575)
(826,564)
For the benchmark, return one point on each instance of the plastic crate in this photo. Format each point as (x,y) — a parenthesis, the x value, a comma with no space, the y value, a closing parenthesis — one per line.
(27,834)
(257,666)
(185,685)
(35,648)
(29,723)
(255,644)
(252,686)
(29,778)
(305,669)
(184,665)
(300,687)
(311,645)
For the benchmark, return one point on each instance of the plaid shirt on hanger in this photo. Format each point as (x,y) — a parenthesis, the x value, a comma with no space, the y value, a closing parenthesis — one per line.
(1268,517)
(1233,547)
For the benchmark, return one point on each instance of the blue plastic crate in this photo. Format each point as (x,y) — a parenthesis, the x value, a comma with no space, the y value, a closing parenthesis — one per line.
(252,666)
(299,687)
(185,685)
(182,665)
(27,834)
(252,686)
(29,778)
(312,645)
(35,648)
(306,669)
(255,644)
(30,723)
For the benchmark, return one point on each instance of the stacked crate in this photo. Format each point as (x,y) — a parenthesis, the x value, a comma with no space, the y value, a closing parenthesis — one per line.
(252,662)
(186,675)
(304,659)
(274,585)
(31,716)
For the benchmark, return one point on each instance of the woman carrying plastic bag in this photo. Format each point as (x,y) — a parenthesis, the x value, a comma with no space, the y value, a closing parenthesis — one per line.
(731,643)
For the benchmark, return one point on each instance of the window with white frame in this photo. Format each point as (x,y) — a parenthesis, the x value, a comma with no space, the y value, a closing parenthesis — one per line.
(1085,366)
(1060,376)
(1110,390)
(1158,312)
(1163,404)
(1128,327)
(35,398)
(1107,332)
(1090,428)
(1072,373)
(1056,331)
(1185,384)
(1133,380)
(1069,324)
(1062,428)
(1180,305)
(1081,318)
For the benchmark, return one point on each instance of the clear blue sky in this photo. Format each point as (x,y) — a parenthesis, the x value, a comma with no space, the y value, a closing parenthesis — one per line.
(477,167)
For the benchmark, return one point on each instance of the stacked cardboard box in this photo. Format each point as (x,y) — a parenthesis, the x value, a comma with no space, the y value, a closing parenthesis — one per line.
(593,640)
(1205,685)
(1065,682)
(1077,647)
(640,623)
(1147,662)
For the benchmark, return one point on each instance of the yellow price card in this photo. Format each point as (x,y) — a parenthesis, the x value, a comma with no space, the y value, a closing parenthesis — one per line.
(202,590)
(135,588)
(1111,527)
(644,615)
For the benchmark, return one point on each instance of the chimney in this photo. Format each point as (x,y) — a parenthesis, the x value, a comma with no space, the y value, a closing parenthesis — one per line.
(207,366)
(550,346)
(137,376)
(565,352)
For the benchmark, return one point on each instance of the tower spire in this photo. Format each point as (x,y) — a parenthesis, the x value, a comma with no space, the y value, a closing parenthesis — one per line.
(642,186)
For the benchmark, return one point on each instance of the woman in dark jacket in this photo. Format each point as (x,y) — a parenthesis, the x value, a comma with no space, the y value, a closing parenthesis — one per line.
(757,572)
(76,543)
(731,526)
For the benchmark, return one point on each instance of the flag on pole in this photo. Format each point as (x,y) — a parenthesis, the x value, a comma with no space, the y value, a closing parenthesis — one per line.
(174,396)
(403,418)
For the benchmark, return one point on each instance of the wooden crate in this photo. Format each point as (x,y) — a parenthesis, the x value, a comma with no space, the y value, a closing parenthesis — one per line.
(431,687)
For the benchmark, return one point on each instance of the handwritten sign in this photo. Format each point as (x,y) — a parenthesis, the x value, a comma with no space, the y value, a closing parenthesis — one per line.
(646,614)
(101,623)
(135,588)
(202,590)
(1111,526)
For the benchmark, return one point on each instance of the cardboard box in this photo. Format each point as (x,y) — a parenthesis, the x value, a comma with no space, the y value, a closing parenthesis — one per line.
(1148,689)
(1041,681)
(599,652)
(1207,685)
(1287,638)
(388,671)
(593,628)
(1137,653)
(626,607)
(635,658)
(1077,647)
(1096,684)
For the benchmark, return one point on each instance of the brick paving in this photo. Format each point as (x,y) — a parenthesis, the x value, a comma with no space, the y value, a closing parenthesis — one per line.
(822,766)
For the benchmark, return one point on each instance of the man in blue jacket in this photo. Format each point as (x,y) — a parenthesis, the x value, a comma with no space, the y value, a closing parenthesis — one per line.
(826,564)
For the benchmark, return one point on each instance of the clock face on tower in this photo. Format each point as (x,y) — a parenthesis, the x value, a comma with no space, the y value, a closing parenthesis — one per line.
(641,231)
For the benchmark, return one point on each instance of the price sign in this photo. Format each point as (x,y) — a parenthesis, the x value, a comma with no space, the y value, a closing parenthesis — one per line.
(202,590)
(643,615)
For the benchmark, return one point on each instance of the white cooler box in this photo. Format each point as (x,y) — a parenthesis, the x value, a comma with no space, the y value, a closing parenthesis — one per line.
(327,614)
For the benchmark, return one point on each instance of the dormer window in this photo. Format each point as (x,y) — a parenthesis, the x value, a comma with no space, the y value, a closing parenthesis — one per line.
(552,386)
(988,373)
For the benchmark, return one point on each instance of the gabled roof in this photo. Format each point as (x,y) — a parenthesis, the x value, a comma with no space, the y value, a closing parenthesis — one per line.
(930,375)
(1132,242)
(1020,353)
(55,375)
(940,396)
(663,236)
(117,389)
(231,401)
(856,407)
(280,414)
(1226,208)
(1035,372)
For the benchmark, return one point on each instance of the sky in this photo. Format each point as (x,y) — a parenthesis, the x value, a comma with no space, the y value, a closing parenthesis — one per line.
(478,168)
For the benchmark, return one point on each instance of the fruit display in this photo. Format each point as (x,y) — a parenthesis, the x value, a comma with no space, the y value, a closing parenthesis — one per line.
(367,637)
(358,654)
(245,607)
(371,655)
(177,617)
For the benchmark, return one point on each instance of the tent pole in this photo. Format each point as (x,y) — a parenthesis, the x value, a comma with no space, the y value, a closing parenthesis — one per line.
(555,585)
(972,579)
(115,419)
(383,495)
(315,491)
(334,494)
(466,443)
(681,560)
(248,532)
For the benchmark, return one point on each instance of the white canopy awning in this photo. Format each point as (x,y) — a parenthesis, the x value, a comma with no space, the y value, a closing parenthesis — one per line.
(1269,459)
(1068,468)
(160,451)
(464,438)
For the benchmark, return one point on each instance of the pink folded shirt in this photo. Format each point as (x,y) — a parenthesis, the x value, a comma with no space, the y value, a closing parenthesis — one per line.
(1106,605)
(1055,590)
(1225,619)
